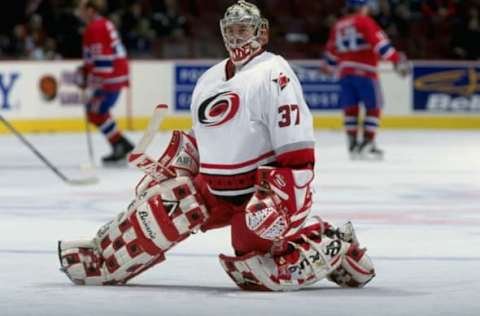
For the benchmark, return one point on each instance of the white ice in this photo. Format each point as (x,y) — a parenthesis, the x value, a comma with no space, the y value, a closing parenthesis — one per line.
(418,212)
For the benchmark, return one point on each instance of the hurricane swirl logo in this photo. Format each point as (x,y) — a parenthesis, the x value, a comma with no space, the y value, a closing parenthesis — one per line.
(218,109)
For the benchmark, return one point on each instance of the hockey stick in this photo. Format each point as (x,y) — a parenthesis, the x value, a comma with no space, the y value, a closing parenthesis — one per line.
(88,131)
(303,69)
(137,157)
(86,181)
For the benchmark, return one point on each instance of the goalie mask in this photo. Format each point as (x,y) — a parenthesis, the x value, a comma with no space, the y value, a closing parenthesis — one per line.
(244,31)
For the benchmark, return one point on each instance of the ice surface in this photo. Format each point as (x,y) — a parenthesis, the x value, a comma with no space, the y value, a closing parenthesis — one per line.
(418,212)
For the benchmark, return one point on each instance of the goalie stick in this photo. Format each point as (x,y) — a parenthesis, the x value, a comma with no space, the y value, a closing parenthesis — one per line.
(85,181)
(138,158)
(88,133)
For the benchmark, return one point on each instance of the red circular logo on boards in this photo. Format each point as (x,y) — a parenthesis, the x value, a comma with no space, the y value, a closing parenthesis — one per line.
(48,87)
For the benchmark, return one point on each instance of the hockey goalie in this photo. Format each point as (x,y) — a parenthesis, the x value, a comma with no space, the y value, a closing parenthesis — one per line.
(247,163)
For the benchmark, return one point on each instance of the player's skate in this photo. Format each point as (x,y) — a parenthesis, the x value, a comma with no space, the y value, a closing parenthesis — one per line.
(367,150)
(352,146)
(120,151)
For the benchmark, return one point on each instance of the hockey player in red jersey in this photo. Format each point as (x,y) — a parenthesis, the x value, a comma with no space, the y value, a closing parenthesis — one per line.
(247,163)
(355,45)
(105,72)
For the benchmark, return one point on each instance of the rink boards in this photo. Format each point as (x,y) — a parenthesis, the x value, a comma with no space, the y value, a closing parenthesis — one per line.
(42,96)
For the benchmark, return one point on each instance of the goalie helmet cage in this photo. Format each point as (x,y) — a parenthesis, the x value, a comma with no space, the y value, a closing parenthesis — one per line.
(53,168)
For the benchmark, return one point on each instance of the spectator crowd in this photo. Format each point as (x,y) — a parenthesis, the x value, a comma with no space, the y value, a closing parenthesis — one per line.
(176,29)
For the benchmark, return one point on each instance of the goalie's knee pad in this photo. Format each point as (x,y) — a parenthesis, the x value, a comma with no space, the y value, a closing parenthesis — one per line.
(137,239)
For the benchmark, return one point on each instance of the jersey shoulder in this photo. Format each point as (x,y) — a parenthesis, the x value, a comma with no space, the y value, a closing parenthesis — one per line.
(214,73)
(98,25)
(273,65)
(365,21)
(281,72)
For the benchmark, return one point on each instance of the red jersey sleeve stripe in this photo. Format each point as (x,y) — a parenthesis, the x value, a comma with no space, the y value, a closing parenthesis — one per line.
(297,159)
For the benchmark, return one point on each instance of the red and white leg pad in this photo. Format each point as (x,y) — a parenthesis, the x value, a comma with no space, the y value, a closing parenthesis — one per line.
(138,238)
(310,259)
(312,254)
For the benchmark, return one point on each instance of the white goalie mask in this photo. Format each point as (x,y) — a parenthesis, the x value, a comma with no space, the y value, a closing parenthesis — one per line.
(244,31)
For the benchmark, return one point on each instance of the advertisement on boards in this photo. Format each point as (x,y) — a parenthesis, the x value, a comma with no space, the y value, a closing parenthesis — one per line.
(39,90)
(8,96)
(321,92)
(446,87)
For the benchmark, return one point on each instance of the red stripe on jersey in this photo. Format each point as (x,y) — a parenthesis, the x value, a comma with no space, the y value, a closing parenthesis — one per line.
(303,158)
(237,165)
(230,182)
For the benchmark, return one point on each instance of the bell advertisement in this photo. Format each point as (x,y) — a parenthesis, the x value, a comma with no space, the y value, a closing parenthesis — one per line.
(446,87)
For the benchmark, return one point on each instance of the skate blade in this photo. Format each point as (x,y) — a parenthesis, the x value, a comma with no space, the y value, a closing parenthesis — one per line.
(123,163)
(366,157)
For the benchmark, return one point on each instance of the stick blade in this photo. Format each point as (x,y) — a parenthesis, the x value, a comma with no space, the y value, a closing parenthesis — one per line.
(84,181)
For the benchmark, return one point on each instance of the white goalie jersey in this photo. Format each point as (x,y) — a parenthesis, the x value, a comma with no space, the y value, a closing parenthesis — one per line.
(248,121)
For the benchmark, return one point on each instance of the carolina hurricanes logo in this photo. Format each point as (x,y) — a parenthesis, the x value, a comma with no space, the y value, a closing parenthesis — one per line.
(218,109)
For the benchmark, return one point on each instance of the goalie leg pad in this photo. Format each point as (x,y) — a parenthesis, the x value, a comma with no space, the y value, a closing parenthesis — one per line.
(311,260)
(137,239)
(84,264)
